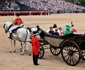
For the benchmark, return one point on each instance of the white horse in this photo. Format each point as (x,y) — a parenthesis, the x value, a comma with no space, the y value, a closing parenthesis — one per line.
(21,34)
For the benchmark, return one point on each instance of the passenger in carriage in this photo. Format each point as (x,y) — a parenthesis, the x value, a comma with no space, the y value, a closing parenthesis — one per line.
(73,28)
(54,27)
(51,30)
(17,23)
(56,32)
(68,29)
(60,31)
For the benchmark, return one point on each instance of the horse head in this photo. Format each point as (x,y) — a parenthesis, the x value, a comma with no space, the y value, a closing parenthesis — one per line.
(6,26)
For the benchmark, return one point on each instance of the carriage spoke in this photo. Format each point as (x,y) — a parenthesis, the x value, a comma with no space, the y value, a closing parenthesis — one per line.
(70,59)
(58,50)
(41,52)
(73,60)
(67,57)
(75,57)
(66,49)
(55,51)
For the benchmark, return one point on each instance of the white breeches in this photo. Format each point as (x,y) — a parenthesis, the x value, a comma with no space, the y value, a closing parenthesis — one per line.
(12,28)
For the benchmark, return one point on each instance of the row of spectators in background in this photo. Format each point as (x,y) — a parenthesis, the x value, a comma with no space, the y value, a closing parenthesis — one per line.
(9,5)
(50,5)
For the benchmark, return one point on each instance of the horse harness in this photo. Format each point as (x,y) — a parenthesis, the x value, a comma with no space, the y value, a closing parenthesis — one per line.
(14,31)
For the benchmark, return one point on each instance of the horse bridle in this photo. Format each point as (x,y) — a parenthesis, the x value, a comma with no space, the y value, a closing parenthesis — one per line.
(4,28)
(7,28)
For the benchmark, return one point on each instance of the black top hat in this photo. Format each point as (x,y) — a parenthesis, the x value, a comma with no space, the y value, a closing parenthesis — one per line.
(54,26)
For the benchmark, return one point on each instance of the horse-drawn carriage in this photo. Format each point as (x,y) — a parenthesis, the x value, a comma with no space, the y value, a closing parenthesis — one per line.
(71,46)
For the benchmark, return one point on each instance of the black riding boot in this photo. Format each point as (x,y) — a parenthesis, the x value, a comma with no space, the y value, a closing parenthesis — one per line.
(10,36)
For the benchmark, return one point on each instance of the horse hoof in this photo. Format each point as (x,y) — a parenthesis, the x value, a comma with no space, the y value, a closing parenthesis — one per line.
(22,53)
(30,54)
(10,51)
(14,51)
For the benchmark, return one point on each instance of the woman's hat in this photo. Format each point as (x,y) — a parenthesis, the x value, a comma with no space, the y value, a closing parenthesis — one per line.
(67,26)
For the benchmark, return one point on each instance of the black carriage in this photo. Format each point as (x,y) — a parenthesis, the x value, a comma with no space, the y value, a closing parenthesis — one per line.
(70,46)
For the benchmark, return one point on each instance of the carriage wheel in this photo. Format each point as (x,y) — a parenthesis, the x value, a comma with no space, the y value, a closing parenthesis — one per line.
(55,50)
(70,53)
(41,51)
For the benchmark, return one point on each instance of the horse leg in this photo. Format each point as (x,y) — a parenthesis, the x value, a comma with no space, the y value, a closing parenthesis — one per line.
(14,46)
(29,49)
(29,46)
(23,45)
(10,46)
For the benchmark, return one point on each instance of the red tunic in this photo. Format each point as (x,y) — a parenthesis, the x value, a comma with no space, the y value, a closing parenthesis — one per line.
(18,21)
(35,45)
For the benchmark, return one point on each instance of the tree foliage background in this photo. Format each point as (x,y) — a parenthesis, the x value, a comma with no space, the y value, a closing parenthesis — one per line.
(78,2)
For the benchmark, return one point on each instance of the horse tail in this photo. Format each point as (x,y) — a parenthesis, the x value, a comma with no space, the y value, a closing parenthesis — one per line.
(26,35)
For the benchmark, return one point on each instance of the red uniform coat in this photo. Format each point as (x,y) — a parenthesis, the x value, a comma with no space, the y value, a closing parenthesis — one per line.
(35,45)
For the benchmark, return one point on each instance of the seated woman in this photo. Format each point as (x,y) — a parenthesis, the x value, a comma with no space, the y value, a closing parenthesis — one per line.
(60,31)
(68,30)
